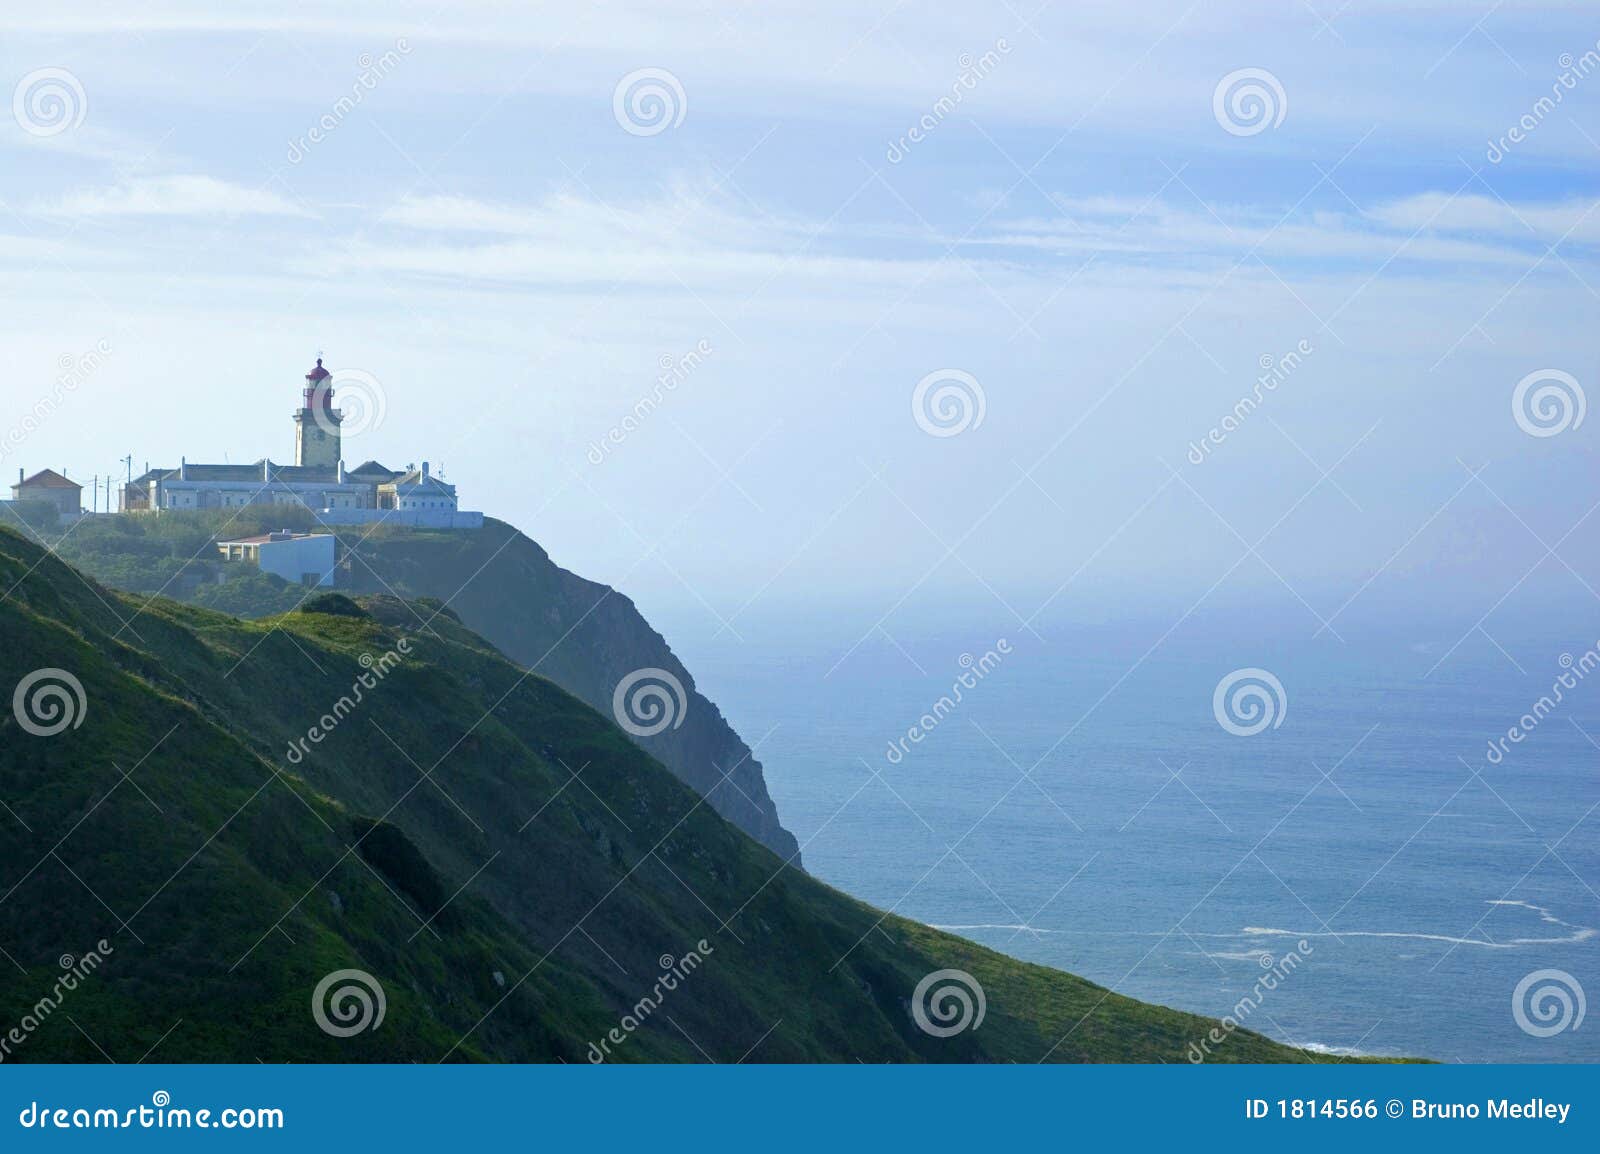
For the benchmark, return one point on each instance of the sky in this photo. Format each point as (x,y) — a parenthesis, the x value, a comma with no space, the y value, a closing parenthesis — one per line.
(934,309)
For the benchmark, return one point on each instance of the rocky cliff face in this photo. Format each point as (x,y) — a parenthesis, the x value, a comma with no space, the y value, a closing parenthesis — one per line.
(588,639)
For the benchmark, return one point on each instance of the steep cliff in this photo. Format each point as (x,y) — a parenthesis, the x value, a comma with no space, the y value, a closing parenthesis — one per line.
(585,637)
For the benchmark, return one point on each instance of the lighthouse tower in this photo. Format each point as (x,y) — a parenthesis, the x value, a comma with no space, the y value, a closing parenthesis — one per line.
(316,425)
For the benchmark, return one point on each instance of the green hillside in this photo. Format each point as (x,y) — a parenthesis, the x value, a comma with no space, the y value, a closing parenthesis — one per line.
(504,861)
(584,636)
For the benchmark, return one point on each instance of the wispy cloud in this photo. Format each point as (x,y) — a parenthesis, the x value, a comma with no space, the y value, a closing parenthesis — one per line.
(1577,219)
(684,236)
(1432,227)
(169,196)
(688,237)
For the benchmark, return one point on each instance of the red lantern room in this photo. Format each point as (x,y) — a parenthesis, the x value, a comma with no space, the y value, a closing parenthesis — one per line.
(319,394)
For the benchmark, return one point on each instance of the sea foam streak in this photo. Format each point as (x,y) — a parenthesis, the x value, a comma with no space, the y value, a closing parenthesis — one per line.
(1578,934)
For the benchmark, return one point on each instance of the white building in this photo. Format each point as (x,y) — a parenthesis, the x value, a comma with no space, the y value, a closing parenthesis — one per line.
(263,483)
(299,558)
(417,489)
(318,480)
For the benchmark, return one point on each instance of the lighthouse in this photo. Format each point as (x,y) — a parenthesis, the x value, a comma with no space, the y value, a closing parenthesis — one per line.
(316,425)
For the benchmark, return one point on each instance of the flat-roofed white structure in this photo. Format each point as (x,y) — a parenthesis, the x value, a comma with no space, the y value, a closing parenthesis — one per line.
(299,558)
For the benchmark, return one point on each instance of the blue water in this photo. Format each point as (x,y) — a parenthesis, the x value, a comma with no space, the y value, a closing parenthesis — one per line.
(1423,894)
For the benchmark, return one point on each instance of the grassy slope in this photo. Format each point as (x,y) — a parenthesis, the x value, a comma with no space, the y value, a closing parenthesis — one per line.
(583,636)
(589,879)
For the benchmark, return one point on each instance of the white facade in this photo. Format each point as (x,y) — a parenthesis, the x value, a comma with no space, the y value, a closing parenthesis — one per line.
(233,494)
(234,486)
(418,491)
(299,558)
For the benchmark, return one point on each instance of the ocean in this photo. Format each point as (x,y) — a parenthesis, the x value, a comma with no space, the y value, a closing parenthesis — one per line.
(1082,806)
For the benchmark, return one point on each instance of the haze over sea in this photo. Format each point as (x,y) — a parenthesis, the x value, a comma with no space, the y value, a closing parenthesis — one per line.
(770,316)
(1424,881)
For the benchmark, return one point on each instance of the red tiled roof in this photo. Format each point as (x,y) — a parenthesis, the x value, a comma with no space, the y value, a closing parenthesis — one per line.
(50,479)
